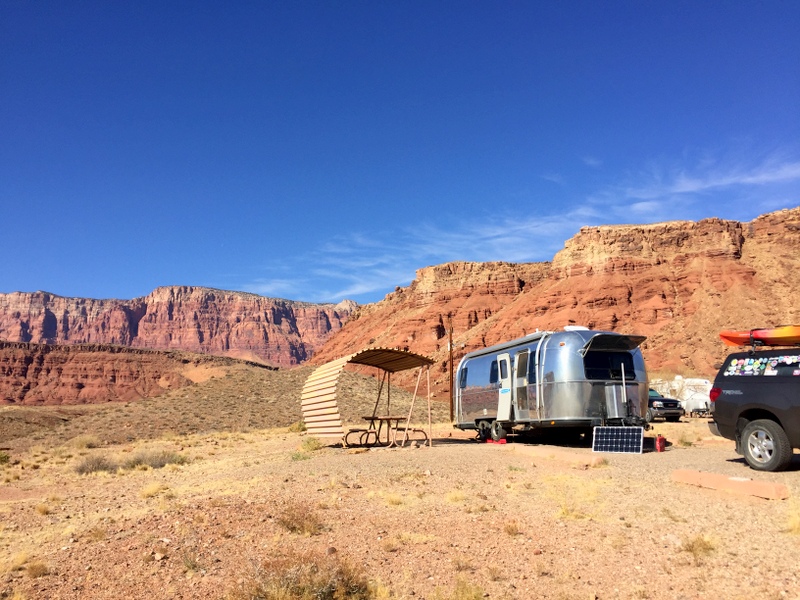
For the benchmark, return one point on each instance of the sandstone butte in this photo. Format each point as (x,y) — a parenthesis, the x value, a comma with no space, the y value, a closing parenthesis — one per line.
(679,283)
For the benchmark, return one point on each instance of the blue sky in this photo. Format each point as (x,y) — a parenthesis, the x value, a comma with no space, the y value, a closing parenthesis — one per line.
(326,150)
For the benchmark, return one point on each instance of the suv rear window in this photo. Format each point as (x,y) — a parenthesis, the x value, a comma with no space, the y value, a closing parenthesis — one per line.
(787,365)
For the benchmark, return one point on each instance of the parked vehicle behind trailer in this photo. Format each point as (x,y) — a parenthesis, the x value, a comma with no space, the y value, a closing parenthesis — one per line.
(661,407)
(574,380)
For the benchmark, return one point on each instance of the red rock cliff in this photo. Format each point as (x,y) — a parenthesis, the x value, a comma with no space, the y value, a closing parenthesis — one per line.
(679,283)
(279,332)
(34,374)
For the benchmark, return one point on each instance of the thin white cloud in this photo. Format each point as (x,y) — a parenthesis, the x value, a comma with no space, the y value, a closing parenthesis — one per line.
(715,178)
(553,177)
(357,265)
(365,266)
(592,161)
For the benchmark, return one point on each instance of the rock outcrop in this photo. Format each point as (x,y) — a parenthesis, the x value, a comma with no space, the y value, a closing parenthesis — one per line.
(197,319)
(35,374)
(679,283)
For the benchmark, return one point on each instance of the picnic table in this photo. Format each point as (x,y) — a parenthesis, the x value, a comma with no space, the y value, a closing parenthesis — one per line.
(382,431)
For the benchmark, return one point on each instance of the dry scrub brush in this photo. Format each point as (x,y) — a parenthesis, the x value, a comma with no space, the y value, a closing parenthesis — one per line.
(305,577)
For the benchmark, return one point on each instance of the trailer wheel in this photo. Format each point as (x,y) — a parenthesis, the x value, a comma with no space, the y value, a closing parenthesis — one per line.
(498,433)
(484,431)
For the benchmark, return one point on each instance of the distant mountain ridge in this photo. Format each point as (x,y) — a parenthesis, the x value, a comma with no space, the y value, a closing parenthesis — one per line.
(197,319)
(679,283)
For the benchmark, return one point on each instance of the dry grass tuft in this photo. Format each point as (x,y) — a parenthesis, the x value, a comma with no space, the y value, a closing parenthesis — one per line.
(393,499)
(43,509)
(699,547)
(793,519)
(461,564)
(299,518)
(82,442)
(310,444)
(96,463)
(456,496)
(463,591)
(153,490)
(297,427)
(512,528)
(36,569)
(304,577)
(154,459)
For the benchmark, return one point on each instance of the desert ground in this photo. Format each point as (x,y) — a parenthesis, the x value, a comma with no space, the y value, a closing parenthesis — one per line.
(213,491)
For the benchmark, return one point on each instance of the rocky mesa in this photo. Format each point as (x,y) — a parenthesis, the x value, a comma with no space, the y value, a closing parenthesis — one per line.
(197,319)
(679,283)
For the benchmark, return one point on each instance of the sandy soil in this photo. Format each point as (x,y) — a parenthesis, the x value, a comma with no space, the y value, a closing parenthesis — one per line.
(456,520)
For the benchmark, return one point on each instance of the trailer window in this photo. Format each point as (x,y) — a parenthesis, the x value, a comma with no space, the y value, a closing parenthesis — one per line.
(493,372)
(462,379)
(503,369)
(608,365)
(532,368)
(522,364)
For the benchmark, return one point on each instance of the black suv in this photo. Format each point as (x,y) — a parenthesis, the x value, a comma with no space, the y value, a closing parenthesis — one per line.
(755,401)
(659,406)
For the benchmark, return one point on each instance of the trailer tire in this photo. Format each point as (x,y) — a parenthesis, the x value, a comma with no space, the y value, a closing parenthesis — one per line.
(484,431)
(498,432)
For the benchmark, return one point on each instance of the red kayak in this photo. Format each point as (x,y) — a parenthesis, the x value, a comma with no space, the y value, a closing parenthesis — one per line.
(785,335)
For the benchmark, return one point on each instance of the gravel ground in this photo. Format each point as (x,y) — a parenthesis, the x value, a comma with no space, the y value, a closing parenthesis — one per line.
(456,520)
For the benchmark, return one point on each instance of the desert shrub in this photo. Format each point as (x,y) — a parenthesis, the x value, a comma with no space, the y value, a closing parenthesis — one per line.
(155,459)
(95,463)
(297,427)
(299,518)
(310,444)
(463,591)
(512,528)
(85,441)
(699,547)
(153,489)
(37,569)
(304,577)
(5,458)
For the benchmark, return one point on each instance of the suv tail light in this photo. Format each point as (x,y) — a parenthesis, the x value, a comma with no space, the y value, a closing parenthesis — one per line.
(714,393)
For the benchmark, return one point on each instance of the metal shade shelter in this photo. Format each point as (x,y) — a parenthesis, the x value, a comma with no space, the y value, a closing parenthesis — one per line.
(319,401)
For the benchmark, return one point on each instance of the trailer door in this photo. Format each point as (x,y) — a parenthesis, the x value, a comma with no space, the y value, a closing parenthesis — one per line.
(521,402)
(504,394)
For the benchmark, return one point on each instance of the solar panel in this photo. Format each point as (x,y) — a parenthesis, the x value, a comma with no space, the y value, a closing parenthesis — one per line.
(618,439)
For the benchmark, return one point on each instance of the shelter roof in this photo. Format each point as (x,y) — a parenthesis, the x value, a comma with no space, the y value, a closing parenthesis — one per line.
(389,359)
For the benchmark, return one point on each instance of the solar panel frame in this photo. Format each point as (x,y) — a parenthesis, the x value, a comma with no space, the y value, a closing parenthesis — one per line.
(618,439)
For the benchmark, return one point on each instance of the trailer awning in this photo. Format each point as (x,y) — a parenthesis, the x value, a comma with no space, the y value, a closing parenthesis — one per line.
(612,341)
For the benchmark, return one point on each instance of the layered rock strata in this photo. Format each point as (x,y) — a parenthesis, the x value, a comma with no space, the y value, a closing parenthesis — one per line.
(197,319)
(679,283)
(34,374)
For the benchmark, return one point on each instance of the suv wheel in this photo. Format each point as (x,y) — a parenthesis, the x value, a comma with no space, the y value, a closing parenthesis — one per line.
(766,446)
(648,416)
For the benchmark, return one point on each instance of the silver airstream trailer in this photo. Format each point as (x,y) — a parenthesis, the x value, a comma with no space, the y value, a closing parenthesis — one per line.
(575,379)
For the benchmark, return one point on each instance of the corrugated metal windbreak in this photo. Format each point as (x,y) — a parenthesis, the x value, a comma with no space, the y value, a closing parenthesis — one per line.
(318,399)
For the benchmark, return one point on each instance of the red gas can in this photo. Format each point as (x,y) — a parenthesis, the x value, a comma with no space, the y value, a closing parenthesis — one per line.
(661,443)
